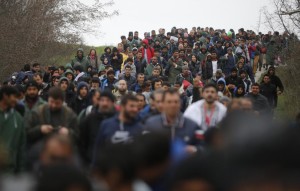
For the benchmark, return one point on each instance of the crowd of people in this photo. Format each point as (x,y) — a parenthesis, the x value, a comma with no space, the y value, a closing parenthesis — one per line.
(157,113)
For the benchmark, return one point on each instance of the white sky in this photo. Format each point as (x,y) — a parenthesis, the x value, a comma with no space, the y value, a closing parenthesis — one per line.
(144,16)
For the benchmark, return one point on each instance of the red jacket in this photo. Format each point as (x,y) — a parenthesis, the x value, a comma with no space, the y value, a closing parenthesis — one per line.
(150,51)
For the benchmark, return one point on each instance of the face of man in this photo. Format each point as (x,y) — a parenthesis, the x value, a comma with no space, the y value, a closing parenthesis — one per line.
(158,102)
(127,71)
(96,98)
(255,90)
(271,72)
(55,104)
(177,86)
(56,152)
(95,85)
(243,75)
(36,68)
(155,73)
(122,87)
(141,102)
(130,110)
(171,104)
(141,79)
(111,77)
(10,101)
(154,60)
(240,90)
(32,92)
(157,85)
(176,55)
(266,79)
(83,92)
(55,82)
(181,54)
(79,54)
(105,104)
(136,35)
(233,73)
(165,87)
(221,87)
(213,55)
(64,86)
(60,71)
(38,80)
(185,71)
(210,95)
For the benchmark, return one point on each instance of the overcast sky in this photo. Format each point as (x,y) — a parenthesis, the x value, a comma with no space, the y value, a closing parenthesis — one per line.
(145,16)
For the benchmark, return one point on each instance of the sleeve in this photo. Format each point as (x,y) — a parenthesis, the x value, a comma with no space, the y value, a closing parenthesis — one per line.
(99,143)
(196,95)
(33,128)
(280,85)
(21,159)
(73,127)
(83,138)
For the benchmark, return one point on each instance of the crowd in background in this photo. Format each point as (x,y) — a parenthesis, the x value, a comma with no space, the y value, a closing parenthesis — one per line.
(153,113)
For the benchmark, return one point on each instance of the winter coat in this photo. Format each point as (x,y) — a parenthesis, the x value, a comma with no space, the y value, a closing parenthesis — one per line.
(78,104)
(83,62)
(260,103)
(42,116)
(184,129)
(88,130)
(13,140)
(196,114)
(269,91)
(171,71)
(116,63)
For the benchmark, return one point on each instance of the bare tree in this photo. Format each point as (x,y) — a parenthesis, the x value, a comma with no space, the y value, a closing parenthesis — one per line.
(42,30)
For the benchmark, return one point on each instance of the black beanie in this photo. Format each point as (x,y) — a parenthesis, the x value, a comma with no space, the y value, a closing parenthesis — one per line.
(108,94)
(31,84)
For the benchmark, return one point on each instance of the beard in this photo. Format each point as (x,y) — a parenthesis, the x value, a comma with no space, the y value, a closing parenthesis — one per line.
(129,116)
(31,97)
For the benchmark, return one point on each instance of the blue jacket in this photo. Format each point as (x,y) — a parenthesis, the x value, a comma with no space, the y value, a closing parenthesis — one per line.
(185,129)
(108,132)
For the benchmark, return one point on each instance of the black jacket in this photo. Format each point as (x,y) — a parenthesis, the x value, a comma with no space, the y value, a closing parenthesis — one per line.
(269,91)
(88,130)
(79,104)
(260,103)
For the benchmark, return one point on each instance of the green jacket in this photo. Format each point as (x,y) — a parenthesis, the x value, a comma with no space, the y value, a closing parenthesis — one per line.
(28,111)
(13,139)
(83,62)
(149,69)
(173,72)
(42,116)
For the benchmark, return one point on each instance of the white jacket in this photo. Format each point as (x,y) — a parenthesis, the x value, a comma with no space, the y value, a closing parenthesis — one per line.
(195,113)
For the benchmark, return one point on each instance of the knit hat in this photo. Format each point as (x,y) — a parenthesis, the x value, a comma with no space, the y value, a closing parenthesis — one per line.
(31,83)
(108,94)
(81,85)
(219,71)
(63,79)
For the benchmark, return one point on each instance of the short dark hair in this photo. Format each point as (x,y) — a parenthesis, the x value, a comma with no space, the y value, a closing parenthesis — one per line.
(56,93)
(8,90)
(210,85)
(35,64)
(255,84)
(62,68)
(127,66)
(142,95)
(267,75)
(129,60)
(155,81)
(110,72)
(26,67)
(171,91)
(38,74)
(129,97)
(166,84)
(78,68)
